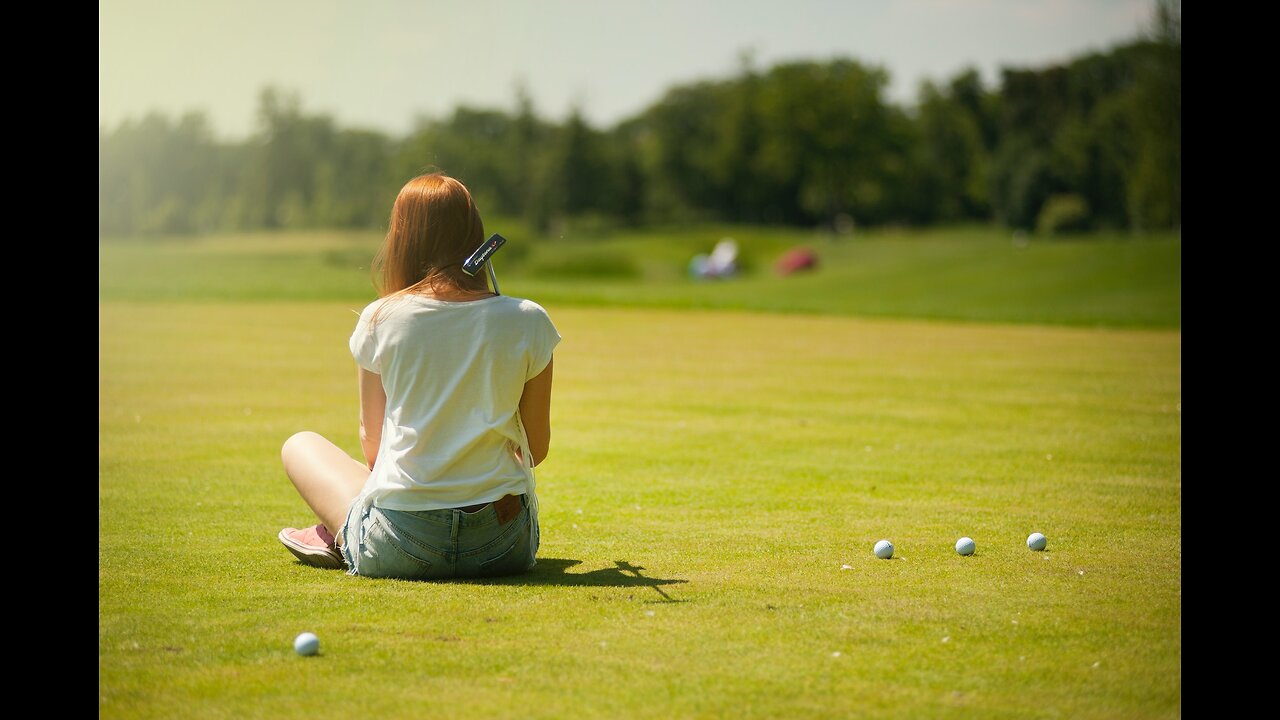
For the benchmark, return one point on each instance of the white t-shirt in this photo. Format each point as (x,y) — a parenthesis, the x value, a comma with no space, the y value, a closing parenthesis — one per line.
(454,373)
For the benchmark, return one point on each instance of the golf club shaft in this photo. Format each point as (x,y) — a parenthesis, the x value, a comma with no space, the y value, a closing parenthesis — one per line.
(493,277)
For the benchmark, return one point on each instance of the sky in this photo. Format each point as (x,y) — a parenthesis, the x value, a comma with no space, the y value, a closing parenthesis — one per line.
(382,64)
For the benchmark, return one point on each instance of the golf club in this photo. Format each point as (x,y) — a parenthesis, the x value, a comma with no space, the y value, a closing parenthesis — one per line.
(482,257)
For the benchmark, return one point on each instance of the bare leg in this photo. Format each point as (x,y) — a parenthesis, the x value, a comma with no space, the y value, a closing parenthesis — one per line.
(326,476)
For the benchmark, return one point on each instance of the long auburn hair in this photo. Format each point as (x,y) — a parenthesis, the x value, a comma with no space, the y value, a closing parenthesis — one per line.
(434,227)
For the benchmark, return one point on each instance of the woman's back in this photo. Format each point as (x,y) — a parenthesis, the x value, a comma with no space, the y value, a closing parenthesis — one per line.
(453,373)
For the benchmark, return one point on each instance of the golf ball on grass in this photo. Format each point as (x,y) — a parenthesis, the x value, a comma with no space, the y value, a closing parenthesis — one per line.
(1036,541)
(306,644)
(965,546)
(884,549)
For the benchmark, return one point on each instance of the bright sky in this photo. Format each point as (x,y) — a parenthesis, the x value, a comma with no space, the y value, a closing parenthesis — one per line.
(382,63)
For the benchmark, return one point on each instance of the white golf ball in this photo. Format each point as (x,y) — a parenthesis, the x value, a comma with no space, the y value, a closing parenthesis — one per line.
(884,550)
(1036,541)
(306,644)
(965,546)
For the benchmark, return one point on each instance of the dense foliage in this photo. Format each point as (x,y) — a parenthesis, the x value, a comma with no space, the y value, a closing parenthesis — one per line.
(1095,143)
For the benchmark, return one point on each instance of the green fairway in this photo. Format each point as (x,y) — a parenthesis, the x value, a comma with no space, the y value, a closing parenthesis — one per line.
(711,474)
(972,274)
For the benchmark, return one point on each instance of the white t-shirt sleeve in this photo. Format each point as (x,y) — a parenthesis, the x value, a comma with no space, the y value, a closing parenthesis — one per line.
(543,342)
(364,341)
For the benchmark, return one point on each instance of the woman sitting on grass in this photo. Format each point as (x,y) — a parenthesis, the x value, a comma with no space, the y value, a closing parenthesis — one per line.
(455,410)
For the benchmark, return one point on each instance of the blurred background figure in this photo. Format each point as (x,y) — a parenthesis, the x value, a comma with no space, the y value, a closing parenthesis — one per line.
(722,263)
(796,260)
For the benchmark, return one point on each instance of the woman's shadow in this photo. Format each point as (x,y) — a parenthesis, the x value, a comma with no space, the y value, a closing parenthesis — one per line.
(551,571)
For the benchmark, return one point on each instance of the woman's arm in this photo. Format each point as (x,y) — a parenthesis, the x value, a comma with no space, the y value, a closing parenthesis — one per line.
(535,413)
(373,407)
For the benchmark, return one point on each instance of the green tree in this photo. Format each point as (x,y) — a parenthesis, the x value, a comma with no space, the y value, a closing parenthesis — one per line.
(957,133)
(158,176)
(1155,186)
(292,148)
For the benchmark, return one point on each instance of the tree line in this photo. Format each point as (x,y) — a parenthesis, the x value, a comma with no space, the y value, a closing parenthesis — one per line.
(1094,143)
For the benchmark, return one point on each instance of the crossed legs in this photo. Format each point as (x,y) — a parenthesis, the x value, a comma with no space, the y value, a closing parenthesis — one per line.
(326,477)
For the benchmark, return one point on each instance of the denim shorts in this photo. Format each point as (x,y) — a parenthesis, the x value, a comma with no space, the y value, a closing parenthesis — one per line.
(437,544)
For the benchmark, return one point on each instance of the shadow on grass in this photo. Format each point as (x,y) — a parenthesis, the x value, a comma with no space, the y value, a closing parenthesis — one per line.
(551,571)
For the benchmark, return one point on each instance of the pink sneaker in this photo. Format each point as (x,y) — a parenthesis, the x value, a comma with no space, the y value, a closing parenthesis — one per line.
(313,546)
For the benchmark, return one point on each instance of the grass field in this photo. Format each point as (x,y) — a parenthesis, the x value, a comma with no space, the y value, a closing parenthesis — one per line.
(972,274)
(711,473)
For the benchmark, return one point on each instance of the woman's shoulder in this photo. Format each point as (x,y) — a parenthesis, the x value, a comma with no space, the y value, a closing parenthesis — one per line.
(381,310)
(373,307)
(517,308)
(525,314)
(524,305)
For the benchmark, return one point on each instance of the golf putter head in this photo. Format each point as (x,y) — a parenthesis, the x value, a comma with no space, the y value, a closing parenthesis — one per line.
(481,258)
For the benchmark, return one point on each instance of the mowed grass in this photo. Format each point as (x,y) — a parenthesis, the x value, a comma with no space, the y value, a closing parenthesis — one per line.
(963,273)
(710,476)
